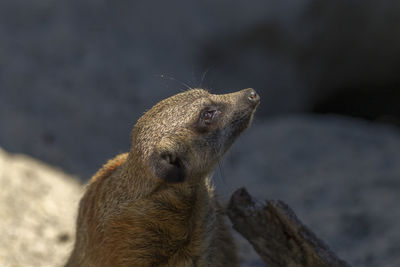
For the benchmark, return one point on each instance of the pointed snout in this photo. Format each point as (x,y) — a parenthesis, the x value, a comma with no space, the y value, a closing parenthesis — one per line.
(246,98)
(252,96)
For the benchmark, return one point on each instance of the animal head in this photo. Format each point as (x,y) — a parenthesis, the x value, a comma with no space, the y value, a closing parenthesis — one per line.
(184,136)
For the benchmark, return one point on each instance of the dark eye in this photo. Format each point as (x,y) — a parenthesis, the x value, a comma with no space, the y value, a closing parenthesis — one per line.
(208,115)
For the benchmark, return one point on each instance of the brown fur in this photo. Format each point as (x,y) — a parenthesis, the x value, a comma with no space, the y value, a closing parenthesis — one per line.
(155,205)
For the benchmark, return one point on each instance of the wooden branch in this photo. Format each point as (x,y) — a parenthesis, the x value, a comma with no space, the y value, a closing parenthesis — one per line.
(277,234)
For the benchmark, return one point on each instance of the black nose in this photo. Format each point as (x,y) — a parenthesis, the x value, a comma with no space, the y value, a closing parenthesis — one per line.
(253,96)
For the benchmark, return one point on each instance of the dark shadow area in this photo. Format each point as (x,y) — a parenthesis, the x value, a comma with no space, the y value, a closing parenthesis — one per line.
(375,104)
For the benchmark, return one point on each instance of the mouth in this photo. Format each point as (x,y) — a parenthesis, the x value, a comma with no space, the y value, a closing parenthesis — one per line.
(243,122)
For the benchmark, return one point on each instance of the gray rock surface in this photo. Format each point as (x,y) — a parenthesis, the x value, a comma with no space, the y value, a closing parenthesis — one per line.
(341,176)
(76,73)
(38,204)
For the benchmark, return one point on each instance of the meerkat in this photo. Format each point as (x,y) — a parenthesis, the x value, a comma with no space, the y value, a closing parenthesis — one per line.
(155,206)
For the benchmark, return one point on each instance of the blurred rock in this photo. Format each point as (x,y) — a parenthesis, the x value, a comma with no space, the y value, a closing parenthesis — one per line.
(78,73)
(38,204)
(339,175)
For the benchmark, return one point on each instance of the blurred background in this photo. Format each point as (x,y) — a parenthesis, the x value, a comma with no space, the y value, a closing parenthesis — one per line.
(75,75)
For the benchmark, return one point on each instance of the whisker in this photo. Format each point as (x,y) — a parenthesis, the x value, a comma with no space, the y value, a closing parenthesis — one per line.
(203,76)
(165,76)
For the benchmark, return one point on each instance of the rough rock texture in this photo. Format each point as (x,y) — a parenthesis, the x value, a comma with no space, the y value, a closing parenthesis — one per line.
(37,208)
(276,233)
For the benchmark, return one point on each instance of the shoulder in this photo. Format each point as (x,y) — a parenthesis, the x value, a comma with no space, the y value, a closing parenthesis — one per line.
(109,168)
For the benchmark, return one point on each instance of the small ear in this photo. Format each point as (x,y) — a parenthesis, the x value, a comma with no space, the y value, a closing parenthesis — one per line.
(166,165)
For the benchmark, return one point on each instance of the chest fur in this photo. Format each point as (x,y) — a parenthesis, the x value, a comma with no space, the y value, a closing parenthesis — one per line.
(168,228)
